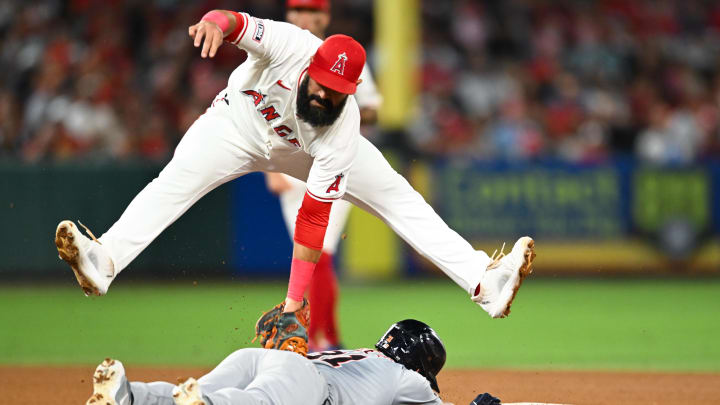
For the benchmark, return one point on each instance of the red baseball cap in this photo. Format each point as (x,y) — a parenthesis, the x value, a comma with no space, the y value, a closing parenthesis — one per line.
(337,63)
(323,5)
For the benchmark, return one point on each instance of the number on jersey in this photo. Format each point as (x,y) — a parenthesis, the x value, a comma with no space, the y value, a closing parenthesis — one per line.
(336,357)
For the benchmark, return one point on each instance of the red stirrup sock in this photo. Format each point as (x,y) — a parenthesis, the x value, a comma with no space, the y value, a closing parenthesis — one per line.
(331,327)
(323,295)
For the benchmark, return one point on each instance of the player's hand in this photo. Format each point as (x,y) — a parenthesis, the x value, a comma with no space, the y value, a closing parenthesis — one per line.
(277,183)
(485,399)
(211,33)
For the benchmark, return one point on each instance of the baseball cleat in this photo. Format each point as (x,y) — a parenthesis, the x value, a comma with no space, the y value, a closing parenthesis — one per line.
(91,264)
(110,386)
(503,278)
(188,393)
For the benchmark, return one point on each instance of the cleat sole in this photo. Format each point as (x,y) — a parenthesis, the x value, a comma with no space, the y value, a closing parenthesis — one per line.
(69,252)
(187,393)
(523,272)
(103,384)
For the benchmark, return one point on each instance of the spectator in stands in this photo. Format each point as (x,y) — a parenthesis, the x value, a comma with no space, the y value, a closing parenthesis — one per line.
(580,81)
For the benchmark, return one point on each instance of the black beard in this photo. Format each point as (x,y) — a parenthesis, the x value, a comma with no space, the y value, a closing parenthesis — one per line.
(316,116)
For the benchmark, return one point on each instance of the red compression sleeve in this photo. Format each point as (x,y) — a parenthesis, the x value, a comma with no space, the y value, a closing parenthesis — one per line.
(311,222)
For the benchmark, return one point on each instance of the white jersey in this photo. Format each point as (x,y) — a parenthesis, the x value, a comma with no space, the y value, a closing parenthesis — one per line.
(367,377)
(264,94)
(251,127)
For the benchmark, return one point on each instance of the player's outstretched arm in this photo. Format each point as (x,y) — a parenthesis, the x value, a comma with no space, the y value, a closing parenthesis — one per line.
(212,28)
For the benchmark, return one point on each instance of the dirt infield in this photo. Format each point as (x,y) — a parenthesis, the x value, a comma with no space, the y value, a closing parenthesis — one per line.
(72,385)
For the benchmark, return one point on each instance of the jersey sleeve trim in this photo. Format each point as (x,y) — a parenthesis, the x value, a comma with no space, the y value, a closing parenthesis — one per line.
(239,30)
(322,199)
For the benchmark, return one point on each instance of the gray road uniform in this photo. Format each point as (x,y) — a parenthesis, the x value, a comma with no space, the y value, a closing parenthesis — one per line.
(367,376)
(273,377)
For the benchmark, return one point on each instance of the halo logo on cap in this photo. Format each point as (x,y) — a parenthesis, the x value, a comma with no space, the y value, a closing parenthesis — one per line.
(339,66)
(337,63)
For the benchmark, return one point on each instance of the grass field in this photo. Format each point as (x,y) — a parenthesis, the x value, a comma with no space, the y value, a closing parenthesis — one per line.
(663,325)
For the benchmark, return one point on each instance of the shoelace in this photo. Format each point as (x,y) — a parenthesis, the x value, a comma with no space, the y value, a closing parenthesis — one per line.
(89,232)
(496,257)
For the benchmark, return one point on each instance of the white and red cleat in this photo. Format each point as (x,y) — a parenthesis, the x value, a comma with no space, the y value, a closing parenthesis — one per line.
(503,278)
(88,259)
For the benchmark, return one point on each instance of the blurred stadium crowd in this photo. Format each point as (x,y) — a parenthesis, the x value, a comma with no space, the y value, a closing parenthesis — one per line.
(582,81)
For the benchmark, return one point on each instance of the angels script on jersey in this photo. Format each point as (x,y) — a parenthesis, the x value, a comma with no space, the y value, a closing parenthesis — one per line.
(270,114)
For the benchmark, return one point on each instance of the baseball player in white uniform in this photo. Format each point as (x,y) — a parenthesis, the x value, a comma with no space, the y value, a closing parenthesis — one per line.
(289,108)
(323,333)
(402,369)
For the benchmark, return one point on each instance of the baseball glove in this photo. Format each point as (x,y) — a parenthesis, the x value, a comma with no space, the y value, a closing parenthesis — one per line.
(284,330)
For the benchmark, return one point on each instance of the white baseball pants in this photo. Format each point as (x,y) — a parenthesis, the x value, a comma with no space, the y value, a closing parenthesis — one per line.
(215,150)
(249,376)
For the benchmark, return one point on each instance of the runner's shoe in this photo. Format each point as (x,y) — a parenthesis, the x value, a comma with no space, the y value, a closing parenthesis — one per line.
(188,393)
(110,386)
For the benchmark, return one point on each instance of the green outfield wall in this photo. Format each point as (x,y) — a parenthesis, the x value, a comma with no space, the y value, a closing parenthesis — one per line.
(35,198)
(617,217)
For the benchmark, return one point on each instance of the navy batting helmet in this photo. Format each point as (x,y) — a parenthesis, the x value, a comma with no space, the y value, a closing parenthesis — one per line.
(416,346)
